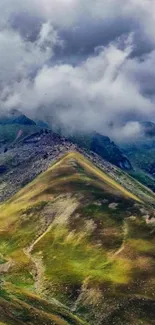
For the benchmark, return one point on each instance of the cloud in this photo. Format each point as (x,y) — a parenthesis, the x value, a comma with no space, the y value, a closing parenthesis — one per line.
(19,57)
(83,64)
(93,95)
(131,130)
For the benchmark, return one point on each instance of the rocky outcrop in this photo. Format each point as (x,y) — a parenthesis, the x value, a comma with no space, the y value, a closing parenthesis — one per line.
(104,147)
(107,149)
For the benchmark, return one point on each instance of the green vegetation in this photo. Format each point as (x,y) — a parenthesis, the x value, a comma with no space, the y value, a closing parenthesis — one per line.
(20,307)
(10,132)
(143,177)
(77,236)
(142,158)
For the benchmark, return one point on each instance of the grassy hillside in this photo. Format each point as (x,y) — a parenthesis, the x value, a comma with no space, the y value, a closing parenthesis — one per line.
(9,133)
(142,157)
(22,307)
(77,236)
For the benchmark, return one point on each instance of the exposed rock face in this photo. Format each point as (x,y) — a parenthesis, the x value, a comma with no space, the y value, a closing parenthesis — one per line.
(107,149)
(104,147)
(27,158)
(17,124)
(113,206)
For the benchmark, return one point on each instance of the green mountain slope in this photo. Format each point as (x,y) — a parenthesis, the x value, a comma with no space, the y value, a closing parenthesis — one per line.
(141,154)
(15,126)
(14,116)
(77,236)
(9,134)
(21,307)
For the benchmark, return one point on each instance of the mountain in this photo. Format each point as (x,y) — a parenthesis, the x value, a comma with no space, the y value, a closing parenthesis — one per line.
(141,154)
(136,158)
(29,156)
(14,116)
(15,126)
(11,133)
(104,147)
(148,128)
(77,247)
(42,124)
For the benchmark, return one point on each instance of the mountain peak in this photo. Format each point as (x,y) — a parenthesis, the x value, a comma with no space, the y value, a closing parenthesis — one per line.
(14,116)
(77,238)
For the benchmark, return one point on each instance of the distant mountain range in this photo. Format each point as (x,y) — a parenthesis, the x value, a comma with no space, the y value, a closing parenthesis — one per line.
(77,231)
(141,154)
(95,142)
(136,158)
(14,116)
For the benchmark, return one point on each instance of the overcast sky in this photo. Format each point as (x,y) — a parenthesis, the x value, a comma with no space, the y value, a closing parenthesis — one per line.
(86,64)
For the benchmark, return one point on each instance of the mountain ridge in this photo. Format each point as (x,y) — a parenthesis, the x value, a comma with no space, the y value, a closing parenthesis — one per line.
(14,116)
(35,153)
(76,235)
(18,124)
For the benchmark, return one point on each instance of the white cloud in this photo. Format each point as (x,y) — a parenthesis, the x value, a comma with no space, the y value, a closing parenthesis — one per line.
(108,86)
(132,130)
(19,58)
(89,96)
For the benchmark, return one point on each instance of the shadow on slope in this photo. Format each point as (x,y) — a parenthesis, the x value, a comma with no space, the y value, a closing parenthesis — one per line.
(76,235)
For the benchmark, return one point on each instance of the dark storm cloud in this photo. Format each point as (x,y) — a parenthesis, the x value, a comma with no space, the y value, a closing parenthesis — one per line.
(85,38)
(84,35)
(27,25)
(81,32)
(86,64)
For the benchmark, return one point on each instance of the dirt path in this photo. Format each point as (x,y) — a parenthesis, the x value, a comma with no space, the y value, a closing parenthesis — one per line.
(62,209)
(38,271)
(4,268)
(125,228)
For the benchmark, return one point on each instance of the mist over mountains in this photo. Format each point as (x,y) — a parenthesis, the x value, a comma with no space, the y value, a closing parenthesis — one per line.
(135,156)
(83,65)
(77,162)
